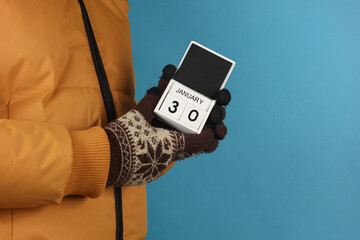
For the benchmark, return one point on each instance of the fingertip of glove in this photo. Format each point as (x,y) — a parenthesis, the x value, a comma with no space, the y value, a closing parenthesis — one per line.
(217,114)
(212,146)
(220,131)
(168,72)
(154,91)
(223,97)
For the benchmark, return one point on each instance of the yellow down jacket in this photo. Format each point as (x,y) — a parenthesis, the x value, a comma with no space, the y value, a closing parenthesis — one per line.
(54,153)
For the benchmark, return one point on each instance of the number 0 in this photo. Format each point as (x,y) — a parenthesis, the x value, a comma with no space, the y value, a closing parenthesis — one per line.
(193,119)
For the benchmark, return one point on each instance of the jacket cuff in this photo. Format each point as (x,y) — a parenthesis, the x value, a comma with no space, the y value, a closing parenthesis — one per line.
(91,160)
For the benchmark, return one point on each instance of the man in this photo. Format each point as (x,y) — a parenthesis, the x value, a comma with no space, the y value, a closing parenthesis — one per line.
(60,159)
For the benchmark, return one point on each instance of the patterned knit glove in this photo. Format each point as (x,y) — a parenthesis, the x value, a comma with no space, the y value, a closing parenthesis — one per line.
(142,147)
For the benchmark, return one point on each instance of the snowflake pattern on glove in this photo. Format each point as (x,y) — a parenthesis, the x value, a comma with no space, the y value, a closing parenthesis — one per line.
(145,151)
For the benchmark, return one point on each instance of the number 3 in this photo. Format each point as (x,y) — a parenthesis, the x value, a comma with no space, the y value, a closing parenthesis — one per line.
(176,104)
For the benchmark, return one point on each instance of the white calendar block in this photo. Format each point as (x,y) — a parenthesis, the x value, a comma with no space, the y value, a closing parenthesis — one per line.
(191,95)
(183,108)
(173,106)
(192,116)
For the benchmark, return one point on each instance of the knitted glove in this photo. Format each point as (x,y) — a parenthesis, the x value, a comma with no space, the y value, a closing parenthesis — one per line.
(142,147)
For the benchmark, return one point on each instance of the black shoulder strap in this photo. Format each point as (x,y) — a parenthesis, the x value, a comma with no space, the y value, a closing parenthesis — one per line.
(99,67)
(108,102)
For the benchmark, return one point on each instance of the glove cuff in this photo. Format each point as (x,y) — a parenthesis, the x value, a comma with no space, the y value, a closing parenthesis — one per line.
(90,162)
(115,153)
(120,159)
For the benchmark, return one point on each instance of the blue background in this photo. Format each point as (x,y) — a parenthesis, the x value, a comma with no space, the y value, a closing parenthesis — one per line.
(290,165)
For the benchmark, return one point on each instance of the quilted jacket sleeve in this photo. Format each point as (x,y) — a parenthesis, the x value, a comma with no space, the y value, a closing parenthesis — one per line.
(40,163)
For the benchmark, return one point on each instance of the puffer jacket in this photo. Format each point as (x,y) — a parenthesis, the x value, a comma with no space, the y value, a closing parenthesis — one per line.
(54,153)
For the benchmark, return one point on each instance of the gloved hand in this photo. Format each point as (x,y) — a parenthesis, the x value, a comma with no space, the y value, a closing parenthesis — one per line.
(142,147)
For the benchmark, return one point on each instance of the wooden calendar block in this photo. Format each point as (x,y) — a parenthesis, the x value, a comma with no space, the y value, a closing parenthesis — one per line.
(190,96)
(192,116)
(173,106)
(184,108)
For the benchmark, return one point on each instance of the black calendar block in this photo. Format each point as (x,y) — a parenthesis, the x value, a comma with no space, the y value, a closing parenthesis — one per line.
(203,71)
